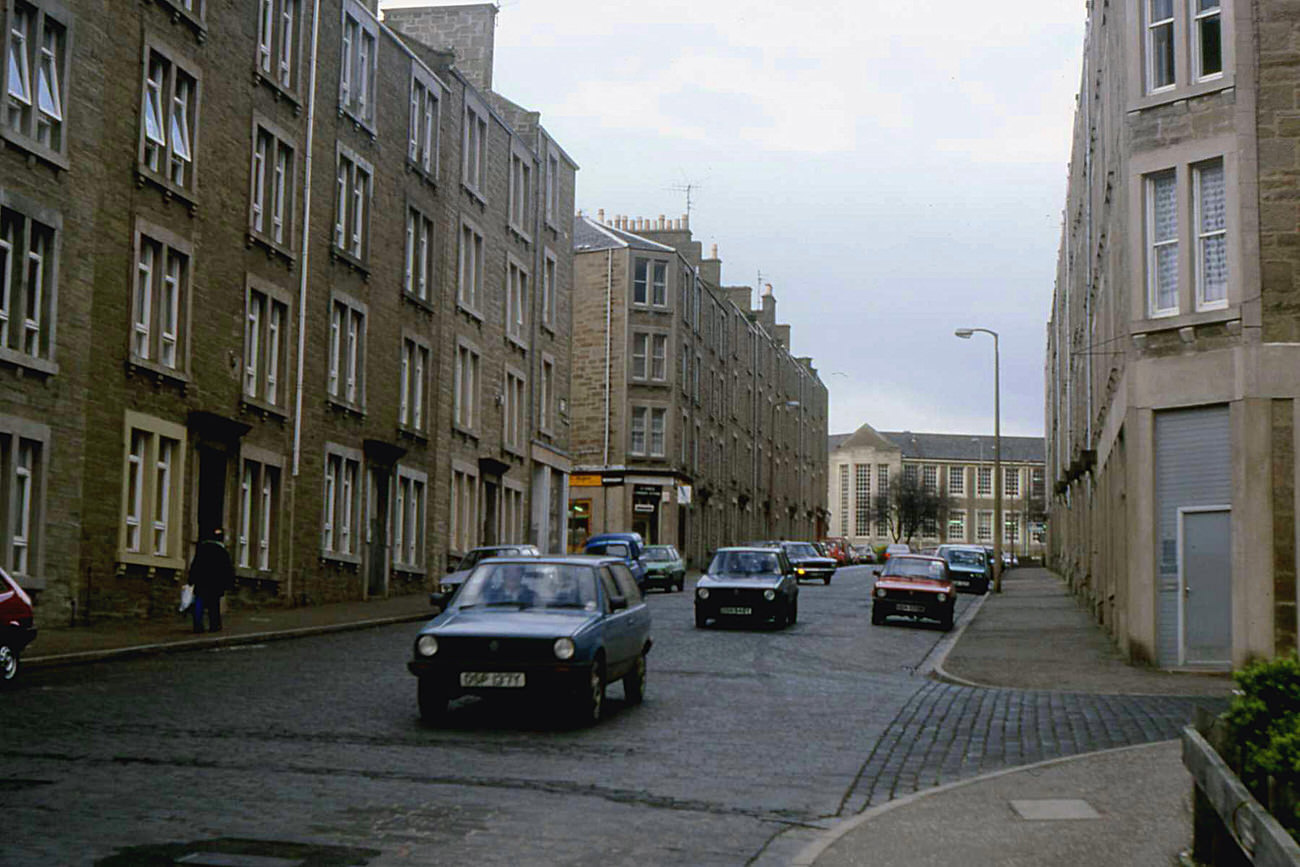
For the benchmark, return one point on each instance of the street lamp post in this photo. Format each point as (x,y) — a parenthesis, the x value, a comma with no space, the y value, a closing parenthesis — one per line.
(965,334)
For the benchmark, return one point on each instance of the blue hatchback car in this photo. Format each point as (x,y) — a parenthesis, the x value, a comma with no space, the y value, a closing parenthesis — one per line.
(559,629)
(630,547)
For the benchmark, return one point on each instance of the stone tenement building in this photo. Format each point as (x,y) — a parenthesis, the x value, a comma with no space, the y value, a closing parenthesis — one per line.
(692,422)
(356,364)
(863,463)
(1174,340)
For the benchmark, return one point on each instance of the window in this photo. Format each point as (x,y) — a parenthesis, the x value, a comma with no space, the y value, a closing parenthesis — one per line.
(266,317)
(552,188)
(686,370)
(352,197)
(546,393)
(1211,235)
(1011,533)
(511,518)
(161,298)
(358,63)
(474,148)
(984,482)
(929,527)
(36,77)
(640,354)
(465,400)
(956,481)
(686,426)
(259,508)
(28,254)
(548,290)
(277,49)
(1036,484)
(521,190)
(514,417)
(640,421)
(271,199)
(650,282)
(168,112)
(956,526)
(930,478)
(861,499)
(984,527)
(659,357)
(414,374)
(1159,44)
(1011,481)
(417,280)
(341,517)
(516,300)
(882,487)
(423,124)
(658,419)
(1162,243)
(695,382)
(464,509)
(409,519)
(22,475)
(910,474)
(468,289)
(347,353)
(1207,38)
(154,469)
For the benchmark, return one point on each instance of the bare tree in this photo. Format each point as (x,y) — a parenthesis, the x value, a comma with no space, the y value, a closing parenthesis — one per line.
(909,506)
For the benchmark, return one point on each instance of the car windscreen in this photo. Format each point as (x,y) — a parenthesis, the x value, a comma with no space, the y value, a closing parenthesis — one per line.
(964,558)
(609,549)
(528,585)
(914,567)
(745,563)
(660,555)
(802,549)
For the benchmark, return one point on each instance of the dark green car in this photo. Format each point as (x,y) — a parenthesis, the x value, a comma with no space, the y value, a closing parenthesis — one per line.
(664,567)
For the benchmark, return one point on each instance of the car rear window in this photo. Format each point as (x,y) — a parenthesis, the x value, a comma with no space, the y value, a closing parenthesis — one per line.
(914,567)
(965,558)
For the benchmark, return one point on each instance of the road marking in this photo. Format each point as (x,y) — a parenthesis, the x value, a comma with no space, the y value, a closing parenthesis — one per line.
(1054,809)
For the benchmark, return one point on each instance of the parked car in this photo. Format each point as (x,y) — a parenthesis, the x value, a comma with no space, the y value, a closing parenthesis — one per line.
(629,547)
(457,574)
(969,567)
(896,548)
(664,567)
(17,629)
(550,628)
(863,554)
(910,585)
(750,583)
(808,564)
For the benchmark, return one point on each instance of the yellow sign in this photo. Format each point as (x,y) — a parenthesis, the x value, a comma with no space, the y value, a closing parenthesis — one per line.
(587,480)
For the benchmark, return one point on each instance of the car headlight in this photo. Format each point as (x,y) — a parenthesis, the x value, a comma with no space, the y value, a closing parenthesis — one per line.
(799,571)
(943,597)
(704,593)
(563,648)
(769,595)
(880,591)
(426,645)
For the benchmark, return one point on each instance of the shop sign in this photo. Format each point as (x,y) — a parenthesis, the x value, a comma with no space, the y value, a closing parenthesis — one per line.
(643,507)
(584,480)
(683,495)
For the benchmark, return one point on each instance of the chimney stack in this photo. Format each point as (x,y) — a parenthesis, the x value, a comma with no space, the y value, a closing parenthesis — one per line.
(713,252)
(600,215)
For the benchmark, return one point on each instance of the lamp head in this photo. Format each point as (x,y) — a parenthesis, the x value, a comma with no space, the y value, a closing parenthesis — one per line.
(964,333)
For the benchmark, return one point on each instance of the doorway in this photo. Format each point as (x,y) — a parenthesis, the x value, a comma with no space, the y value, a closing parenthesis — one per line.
(212,490)
(1205,582)
(377,498)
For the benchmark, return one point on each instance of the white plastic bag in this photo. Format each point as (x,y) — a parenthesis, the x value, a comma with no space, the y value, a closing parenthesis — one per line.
(187,597)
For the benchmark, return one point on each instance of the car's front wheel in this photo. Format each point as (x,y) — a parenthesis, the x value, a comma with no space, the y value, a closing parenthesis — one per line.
(591,704)
(700,619)
(433,701)
(8,665)
(826,579)
(634,681)
(681,582)
(877,616)
(946,620)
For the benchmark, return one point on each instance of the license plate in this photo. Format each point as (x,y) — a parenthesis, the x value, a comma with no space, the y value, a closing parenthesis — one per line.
(735,611)
(492,678)
(911,609)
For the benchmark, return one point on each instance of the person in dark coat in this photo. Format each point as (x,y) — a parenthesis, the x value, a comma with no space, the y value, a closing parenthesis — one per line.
(212,573)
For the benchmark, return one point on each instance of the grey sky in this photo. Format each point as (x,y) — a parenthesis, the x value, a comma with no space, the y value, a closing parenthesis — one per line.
(895,170)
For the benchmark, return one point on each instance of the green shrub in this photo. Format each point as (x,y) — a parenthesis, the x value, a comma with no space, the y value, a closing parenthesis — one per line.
(1264,728)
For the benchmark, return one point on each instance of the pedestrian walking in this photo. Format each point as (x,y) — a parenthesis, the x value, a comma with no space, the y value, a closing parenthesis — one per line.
(212,573)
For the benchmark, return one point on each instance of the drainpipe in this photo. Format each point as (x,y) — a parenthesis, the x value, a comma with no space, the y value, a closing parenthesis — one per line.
(609,318)
(302,281)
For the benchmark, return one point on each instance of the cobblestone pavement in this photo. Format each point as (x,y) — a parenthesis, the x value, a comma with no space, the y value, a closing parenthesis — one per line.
(747,739)
(947,733)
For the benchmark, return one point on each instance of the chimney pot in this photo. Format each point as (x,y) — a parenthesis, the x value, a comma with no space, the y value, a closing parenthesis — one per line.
(600,215)
(661,221)
(713,252)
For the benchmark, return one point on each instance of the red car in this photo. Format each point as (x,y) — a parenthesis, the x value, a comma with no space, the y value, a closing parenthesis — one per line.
(910,585)
(16,626)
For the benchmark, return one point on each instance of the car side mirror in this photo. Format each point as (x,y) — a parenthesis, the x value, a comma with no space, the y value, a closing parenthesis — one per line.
(618,603)
(875,572)
(439,599)
(450,568)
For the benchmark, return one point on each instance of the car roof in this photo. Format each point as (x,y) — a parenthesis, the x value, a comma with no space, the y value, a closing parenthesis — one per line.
(575,559)
(766,548)
(928,557)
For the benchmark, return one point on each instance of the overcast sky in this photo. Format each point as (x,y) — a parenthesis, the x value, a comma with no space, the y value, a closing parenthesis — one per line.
(894,169)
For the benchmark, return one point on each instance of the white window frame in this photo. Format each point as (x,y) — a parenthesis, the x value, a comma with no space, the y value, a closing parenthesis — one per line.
(984,526)
(170,92)
(354,190)
(160,300)
(983,488)
(149,532)
(419,267)
(35,108)
(514,415)
(959,519)
(467,387)
(1150,27)
(476,129)
(410,519)
(358,63)
(522,190)
(272,196)
(1202,235)
(1199,19)
(413,388)
(279,24)
(24,453)
(260,478)
(1153,246)
(30,242)
(552,188)
(956,481)
(341,516)
(517,300)
(346,371)
(472,247)
(463,515)
(424,121)
(1011,482)
(546,395)
(550,270)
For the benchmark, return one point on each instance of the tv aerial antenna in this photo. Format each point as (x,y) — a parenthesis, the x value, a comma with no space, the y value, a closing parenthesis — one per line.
(689,188)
